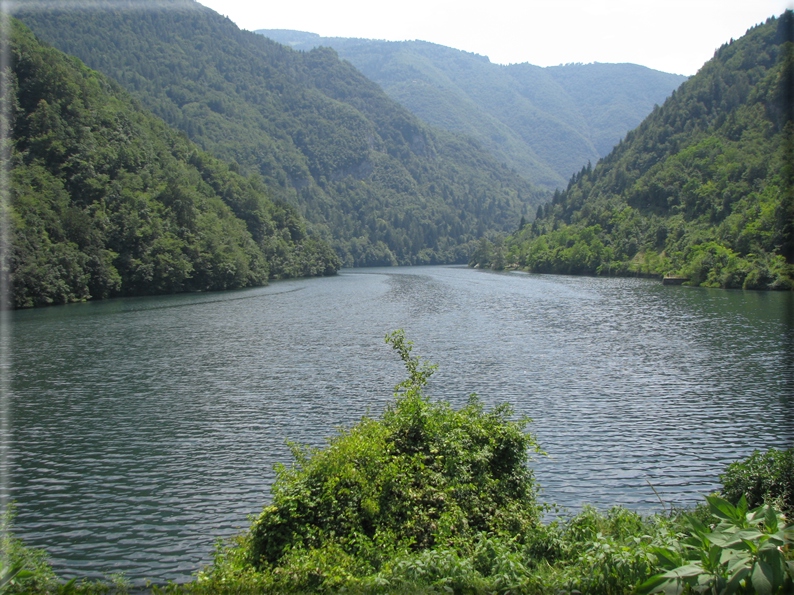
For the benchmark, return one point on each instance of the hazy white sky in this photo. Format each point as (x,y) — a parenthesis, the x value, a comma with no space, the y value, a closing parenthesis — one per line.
(670,35)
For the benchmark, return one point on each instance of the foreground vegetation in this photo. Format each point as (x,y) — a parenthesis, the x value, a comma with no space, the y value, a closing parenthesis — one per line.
(702,189)
(428,499)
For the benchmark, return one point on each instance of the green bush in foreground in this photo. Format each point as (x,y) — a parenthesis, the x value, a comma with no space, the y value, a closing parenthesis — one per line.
(744,552)
(22,569)
(613,553)
(423,476)
(763,477)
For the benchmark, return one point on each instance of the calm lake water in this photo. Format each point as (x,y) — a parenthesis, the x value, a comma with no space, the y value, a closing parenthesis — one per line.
(145,429)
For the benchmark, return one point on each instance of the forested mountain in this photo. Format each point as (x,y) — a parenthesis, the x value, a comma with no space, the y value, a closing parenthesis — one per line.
(544,122)
(369,175)
(107,200)
(703,188)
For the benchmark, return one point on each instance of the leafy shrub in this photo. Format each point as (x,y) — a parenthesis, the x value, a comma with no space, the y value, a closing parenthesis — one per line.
(745,552)
(442,568)
(762,478)
(423,476)
(601,553)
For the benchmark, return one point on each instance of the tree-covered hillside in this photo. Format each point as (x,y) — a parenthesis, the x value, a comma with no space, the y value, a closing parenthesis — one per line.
(703,189)
(370,176)
(544,122)
(107,200)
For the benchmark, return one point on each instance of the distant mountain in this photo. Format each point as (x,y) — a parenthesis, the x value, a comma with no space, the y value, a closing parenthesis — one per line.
(544,122)
(107,200)
(702,189)
(370,176)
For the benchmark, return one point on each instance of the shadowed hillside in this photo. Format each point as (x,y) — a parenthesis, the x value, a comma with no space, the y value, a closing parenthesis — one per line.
(371,177)
(544,122)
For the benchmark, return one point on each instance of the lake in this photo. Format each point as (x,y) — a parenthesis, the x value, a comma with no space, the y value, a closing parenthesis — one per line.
(144,429)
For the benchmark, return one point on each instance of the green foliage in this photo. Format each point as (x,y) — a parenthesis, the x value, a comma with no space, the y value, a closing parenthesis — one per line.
(363,170)
(618,552)
(106,200)
(425,496)
(701,189)
(22,570)
(12,575)
(762,478)
(720,548)
(423,476)
(745,552)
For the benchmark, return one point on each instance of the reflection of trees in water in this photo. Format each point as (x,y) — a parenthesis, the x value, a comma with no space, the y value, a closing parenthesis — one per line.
(421,294)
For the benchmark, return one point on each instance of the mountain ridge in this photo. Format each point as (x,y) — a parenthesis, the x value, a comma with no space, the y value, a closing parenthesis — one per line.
(702,190)
(543,122)
(369,176)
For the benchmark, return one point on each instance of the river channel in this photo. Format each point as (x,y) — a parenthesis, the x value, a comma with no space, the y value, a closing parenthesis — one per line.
(144,429)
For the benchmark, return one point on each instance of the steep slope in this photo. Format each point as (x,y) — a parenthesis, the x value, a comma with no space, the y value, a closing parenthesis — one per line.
(385,187)
(703,189)
(107,200)
(612,98)
(544,122)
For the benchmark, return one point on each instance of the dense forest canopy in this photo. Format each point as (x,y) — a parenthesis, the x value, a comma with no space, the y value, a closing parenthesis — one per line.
(107,200)
(702,190)
(371,178)
(544,122)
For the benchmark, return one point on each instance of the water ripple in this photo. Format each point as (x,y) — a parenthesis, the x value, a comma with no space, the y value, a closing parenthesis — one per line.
(144,429)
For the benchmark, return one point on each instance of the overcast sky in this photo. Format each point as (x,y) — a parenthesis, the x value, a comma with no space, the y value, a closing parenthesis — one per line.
(669,35)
